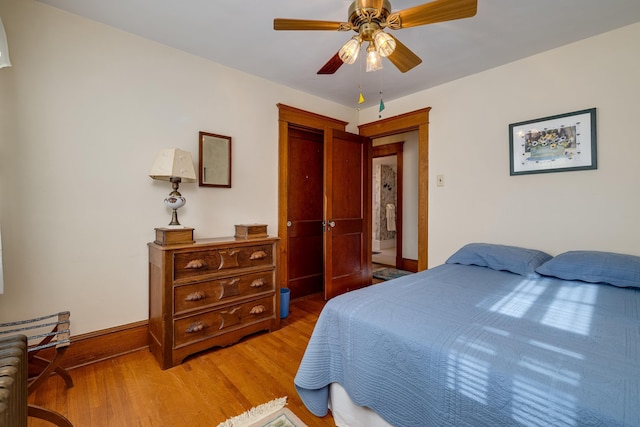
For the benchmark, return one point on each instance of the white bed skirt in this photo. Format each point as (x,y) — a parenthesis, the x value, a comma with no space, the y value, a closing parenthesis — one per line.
(348,414)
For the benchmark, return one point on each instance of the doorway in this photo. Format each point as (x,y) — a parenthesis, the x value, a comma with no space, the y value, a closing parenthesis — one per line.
(384,210)
(413,121)
(387,204)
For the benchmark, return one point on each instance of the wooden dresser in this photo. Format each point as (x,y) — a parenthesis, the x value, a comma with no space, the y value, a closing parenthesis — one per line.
(210,293)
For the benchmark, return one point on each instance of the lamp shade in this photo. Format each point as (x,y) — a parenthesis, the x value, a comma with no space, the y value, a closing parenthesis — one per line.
(173,163)
(4,48)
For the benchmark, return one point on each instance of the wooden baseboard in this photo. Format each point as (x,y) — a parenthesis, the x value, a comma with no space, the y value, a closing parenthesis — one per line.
(409,265)
(105,344)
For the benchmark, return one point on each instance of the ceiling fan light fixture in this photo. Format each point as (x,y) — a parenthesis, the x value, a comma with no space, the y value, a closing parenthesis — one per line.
(374,60)
(385,44)
(369,18)
(349,52)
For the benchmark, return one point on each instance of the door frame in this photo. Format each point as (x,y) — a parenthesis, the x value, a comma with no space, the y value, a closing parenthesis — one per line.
(293,117)
(412,121)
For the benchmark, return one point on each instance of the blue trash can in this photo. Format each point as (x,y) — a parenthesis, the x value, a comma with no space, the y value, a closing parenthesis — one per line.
(284,302)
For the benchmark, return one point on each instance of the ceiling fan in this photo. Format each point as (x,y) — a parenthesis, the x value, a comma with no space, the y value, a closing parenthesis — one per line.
(368,18)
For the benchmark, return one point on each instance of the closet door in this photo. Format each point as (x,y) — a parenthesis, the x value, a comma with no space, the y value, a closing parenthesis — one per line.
(347,205)
(324,198)
(305,210)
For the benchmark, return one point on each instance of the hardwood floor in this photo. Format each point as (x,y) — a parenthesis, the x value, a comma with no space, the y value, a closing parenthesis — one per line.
(205,390)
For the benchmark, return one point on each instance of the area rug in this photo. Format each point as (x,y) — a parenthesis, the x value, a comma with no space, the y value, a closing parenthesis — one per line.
(389,273)
(270,414)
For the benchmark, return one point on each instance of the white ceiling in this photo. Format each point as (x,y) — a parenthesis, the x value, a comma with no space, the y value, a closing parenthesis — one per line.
(240,35)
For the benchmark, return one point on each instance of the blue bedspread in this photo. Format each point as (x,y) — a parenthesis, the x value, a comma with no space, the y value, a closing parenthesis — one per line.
(469,346)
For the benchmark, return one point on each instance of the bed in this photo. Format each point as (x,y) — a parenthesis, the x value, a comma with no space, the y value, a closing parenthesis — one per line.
(496,336)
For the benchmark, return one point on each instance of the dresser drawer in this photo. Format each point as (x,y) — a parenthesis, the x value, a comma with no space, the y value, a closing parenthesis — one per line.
(203,294)
(198,263)
(217,322)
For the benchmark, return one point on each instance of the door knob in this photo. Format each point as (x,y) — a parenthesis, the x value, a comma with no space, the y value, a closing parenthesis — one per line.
(332,223)
(289,223)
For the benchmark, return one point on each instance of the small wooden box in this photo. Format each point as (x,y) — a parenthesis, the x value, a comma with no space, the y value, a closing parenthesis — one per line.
(173,236)
(251,231)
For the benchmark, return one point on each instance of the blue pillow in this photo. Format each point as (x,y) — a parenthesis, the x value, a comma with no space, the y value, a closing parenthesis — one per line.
(595,267)
(500,257)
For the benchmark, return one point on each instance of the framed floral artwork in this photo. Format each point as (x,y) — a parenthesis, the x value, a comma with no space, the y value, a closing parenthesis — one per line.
(564,142)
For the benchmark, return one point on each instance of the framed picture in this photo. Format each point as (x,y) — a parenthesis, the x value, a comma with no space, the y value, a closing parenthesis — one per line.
(566,142)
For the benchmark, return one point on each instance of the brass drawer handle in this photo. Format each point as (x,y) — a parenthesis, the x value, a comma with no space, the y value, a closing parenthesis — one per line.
(196,296)
(258,255)
(195,327)
(258,283)
(196,264)
(258,309)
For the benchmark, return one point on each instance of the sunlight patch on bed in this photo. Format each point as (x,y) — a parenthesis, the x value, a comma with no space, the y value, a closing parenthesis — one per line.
(553,372)
(533,406)
(556,349)
(496,331)
(520,300)
(572,309)
(468,374)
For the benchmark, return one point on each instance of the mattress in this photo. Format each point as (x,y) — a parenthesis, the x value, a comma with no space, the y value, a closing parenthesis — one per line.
(347,414)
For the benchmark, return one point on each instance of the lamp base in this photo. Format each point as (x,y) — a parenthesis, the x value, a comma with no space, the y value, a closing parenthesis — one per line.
(175,201)
(166,236)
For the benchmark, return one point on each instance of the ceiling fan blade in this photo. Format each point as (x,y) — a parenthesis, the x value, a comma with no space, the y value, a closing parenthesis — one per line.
(403,58)
(305,24)
(332,65)
(435,11)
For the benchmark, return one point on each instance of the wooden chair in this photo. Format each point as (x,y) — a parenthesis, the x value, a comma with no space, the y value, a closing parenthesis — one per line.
(51,332)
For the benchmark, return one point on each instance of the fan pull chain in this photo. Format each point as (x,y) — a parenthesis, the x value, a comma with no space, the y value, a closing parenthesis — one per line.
(360,96)
(381,107)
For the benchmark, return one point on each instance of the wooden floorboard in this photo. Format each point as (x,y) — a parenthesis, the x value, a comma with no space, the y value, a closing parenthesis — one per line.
(208,388)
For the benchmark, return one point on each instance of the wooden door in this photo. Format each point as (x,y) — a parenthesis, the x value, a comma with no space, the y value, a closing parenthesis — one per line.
(347,206)
(305,212)
(345,178)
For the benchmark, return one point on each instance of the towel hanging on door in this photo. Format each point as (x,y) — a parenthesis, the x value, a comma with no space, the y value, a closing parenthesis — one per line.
(391,217)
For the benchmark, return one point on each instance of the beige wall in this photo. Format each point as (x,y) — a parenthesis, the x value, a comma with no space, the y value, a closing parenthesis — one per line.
(85,109)
(469,139)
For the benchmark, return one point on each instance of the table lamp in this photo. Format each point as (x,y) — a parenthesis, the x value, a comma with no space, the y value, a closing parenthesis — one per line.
(174,165)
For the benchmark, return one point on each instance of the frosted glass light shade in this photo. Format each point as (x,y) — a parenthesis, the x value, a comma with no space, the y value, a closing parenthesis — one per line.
(349,52)
(385,44)
(4,48)
(374,60)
